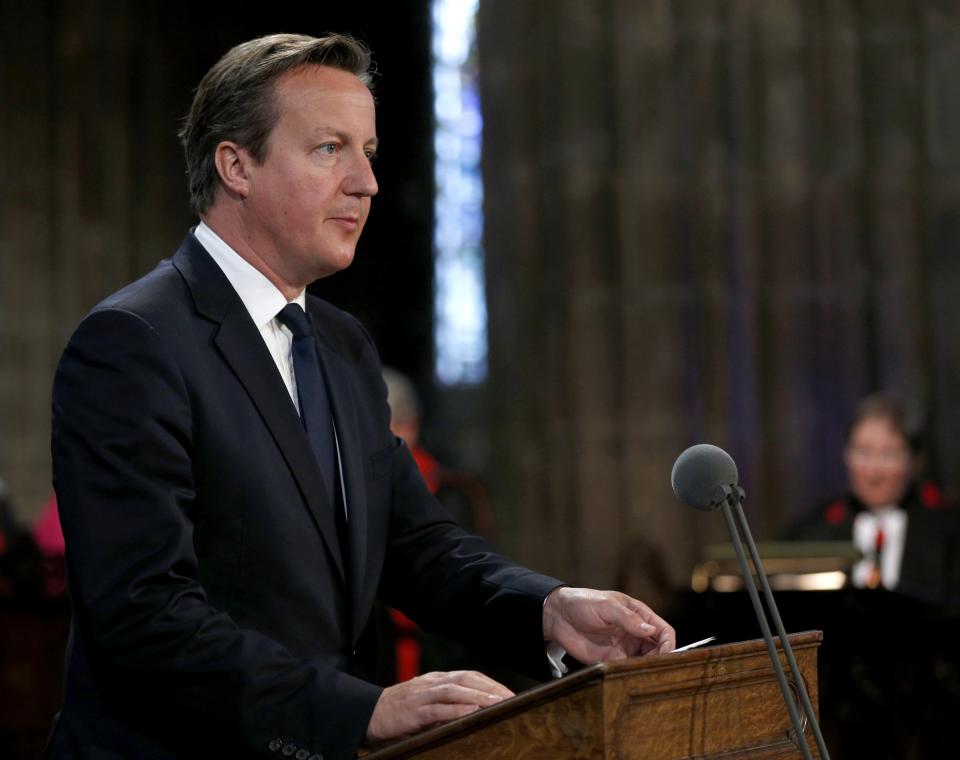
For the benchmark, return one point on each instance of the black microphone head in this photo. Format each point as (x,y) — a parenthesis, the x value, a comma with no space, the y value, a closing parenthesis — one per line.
(699,472)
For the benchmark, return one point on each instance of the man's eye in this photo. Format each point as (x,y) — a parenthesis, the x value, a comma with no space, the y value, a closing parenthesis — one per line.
(329,149)
(371,155)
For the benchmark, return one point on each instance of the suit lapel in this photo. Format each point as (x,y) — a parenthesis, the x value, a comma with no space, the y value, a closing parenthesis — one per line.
(243,348)
(348,437)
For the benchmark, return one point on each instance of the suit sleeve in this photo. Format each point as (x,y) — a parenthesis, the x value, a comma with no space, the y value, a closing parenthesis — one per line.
(449,581)
(458,585)
(165,661)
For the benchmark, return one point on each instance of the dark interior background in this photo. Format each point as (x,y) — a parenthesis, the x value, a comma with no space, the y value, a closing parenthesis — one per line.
(706,220)
(94,193)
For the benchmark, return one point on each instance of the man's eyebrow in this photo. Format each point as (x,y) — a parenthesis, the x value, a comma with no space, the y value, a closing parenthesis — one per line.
(324,131)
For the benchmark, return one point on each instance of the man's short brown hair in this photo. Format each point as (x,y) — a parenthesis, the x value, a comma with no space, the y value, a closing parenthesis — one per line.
(236,100)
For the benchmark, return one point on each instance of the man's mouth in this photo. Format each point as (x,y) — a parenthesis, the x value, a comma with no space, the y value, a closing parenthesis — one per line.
(349,222)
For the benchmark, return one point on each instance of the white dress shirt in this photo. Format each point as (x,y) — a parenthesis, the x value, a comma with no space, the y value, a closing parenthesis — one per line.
(263,302)
(893,521)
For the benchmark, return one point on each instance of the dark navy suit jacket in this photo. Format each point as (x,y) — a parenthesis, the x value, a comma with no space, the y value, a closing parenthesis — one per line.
(213,615)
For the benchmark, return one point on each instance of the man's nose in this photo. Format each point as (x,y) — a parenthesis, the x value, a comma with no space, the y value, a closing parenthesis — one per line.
(361,180)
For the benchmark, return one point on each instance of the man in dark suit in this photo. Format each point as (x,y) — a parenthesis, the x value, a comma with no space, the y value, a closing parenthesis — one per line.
(231,496)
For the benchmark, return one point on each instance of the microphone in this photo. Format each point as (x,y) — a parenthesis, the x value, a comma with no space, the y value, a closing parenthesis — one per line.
(705,477)
(699,474)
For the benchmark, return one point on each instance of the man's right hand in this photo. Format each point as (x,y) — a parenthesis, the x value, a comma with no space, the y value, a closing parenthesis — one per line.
(429,699)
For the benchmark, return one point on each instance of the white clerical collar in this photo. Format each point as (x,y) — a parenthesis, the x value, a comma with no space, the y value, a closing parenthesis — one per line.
(261,297)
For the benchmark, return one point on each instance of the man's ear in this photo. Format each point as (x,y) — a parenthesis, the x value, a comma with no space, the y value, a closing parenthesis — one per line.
(232,162)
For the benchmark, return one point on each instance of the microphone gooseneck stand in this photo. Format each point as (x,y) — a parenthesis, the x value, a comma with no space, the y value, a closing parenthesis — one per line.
(730,500)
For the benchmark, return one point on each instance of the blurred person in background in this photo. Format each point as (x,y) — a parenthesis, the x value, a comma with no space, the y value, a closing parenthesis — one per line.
(48,536)
(404,651)
(908,537)
(405,414)
(20,571)
(462,493)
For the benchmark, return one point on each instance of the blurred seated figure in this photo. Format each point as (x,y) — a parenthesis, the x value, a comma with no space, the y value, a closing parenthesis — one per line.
(48,537)
(464,496)
(19,559)
(403,650)
(405,422)
(909,539)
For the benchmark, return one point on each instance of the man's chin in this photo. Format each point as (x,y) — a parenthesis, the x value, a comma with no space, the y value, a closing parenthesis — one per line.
(334,264)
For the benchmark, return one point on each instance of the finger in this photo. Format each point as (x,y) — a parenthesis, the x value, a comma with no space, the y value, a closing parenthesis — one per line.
(659,637)
(646,613)
(631,619)
(471,678)
(664,642)
(480,682)
(665,635)
(440,712)
(639,646)
(668,640)
(590,649)
(454,693)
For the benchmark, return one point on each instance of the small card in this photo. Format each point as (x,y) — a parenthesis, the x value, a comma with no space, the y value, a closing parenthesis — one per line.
(695,644)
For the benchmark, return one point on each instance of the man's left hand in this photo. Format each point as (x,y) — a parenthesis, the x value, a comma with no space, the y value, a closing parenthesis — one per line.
(596,626)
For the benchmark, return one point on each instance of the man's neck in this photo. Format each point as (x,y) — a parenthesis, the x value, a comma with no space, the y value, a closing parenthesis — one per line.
(229,227)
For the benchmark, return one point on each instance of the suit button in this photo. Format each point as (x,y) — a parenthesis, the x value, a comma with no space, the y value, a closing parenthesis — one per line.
(275,744)
(289,749)
(302,754)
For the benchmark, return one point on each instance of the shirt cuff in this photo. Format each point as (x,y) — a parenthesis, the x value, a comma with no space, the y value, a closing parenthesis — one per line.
(555,655)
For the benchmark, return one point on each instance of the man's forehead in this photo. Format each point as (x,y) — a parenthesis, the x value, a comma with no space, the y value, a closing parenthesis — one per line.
(325,100)
(323,90)
(315,79)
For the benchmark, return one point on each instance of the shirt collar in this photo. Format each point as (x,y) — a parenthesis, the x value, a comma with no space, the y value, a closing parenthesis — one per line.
(259,295)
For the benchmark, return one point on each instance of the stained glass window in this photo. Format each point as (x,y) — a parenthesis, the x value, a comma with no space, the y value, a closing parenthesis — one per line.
(460,310)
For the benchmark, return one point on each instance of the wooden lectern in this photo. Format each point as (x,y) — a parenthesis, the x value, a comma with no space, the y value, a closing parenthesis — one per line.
(719,702)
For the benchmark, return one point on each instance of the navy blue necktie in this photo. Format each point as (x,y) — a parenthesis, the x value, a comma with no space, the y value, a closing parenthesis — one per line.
(315,411)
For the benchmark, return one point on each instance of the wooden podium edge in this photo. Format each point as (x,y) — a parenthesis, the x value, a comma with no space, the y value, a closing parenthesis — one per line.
(553,689)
